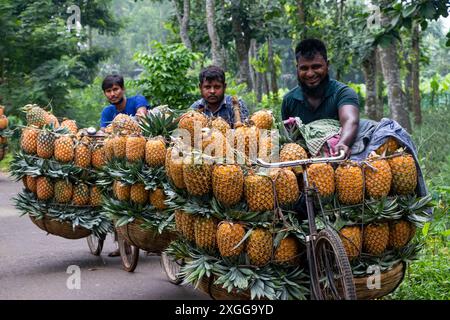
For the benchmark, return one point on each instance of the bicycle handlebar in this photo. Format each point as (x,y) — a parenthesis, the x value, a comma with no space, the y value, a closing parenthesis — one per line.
(296,163)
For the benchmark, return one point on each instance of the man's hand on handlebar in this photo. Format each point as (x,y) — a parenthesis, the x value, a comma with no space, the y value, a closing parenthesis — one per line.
(343,147)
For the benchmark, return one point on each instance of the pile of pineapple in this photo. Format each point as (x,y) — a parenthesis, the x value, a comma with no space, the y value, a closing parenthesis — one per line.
(58,164)
(4,134)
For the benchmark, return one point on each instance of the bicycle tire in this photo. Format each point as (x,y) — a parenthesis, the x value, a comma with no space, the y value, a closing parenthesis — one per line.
(129,254)
(171,268)
(332,264)
(95,244)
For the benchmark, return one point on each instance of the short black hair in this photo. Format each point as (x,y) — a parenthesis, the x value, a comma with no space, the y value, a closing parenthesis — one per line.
(111,80)
(308,48)
(211,73)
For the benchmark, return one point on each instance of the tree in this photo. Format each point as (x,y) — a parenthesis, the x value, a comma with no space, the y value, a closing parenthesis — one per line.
(183,15)
(216,49)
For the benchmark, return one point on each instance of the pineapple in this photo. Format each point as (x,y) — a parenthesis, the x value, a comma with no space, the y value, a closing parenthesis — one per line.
(64,149)
(286,186)
(121,191)
(221,125)
(109,149)
(376,238)
(205,230)
(138,194)
(259,247)
(179,220)
(228,184)
(71,125)
(246,140)
(135,148)
(229,234)
(28,141)
(98,159)
(389,147)
(174,167)
(404,174)
(262,119)
(187,225)
(259,193)
(155,152)
(119,144)
(214,143)
(378,180)
(349,184)
(197,176)
(399,233)
(351,237)
(123,122)
(44,188)
(80,195)
(321,176)
(36,116)
(95,197)
(31,183)
(45,144)
(293,151)
(288,251)
(50,119)
(157,198)
(193,121)
(82,156)
(63,191)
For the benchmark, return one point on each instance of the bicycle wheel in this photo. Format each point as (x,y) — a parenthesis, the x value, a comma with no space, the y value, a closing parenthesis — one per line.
(335,278)
(171,267)
(129,254)
(95,244)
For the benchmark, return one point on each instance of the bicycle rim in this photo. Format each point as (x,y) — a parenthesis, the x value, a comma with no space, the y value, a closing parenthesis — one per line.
(129,254)
(171,267)
(335,278)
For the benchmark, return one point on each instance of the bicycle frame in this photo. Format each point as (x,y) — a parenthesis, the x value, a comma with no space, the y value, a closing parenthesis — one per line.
(309,194)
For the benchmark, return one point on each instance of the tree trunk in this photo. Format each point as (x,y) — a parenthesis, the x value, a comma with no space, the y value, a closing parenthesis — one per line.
(242,47)
(255,75)
(380,83)
(408,85)
(272,68)
(391,73)
(415,67)
(371,108)
(216,50)
(266,84)
(302,17)
(183,20)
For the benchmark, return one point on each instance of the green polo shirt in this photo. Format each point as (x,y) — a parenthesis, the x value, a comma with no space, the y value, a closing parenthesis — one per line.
(337,94)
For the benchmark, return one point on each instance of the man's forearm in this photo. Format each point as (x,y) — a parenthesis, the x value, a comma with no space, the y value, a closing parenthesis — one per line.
(349,131)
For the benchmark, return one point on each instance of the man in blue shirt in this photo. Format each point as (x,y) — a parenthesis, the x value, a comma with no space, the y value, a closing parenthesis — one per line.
(114,90)
(214,102)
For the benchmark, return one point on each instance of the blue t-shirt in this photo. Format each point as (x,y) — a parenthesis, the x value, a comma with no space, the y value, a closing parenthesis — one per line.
(133,103)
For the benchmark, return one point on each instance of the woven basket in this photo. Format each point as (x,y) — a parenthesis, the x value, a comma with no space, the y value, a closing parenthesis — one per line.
(218,293)
(59,228)
(389,281)
(146,239)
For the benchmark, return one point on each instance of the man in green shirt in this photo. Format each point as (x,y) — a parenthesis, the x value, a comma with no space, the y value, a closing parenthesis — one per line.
(319,97)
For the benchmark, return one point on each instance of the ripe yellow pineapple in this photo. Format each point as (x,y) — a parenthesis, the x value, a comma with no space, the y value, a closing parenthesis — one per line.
(193,121)
(214,144)
(286,186)
(293,151)
(124,123)
(187,225)
(349,184)
(95,197)
(404,174)
(389,147)
(228,184)
(259,193)
(221,125)
(321,175)
(82,156)
(50,119)
(31,183)
(179,220)
(351,237)
(376,238)
(119,146)
(80,194)
(399,233)
(28,141)
(71,125)
(246,139)
(174,167)
(205,230)
(64,149)
(229,234)
(63,191)
(378,180)
(155,152)
(98,159)
(121,191)
(36,116)
(135,148)
(197,176)
(109,148)
(138,194)
(157,198)
(45,144)
(288,251)
(262,119)
(259,247)
(44,188)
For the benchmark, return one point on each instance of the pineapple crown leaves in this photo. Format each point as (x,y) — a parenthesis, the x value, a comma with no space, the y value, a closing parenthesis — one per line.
(418,210)
(240,212)
(194,270)
(385,208)
(158,124)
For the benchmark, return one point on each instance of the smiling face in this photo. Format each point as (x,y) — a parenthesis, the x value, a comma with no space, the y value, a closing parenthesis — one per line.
(212,91)
(311,72)
(114,94)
